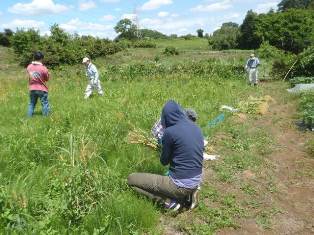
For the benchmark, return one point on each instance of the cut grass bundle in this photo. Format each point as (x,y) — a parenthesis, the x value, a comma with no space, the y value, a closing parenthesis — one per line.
(255,105)
(138,136)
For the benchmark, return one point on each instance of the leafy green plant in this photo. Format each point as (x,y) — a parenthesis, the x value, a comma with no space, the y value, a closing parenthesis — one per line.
(225,38)
(171,51)
(305,67)
(60,47)
(299,80)
(144,44)
(280,60)
(307,109)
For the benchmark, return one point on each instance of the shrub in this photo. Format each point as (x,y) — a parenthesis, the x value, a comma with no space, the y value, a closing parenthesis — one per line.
(171,51)
(148,33)
(267,51)
(204,68)
(281,61)
(5,38)
(144,44)
(188,37)
(305,65)
(307,109)
(61,47)
(303,80)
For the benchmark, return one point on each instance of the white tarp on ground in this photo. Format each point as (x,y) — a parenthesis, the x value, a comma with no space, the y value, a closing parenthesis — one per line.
(301,88)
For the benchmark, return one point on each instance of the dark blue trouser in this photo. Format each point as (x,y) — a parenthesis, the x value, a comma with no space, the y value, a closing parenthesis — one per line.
(43,96)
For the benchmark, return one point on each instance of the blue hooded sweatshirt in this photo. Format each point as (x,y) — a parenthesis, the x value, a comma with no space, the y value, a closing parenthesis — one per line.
(182,143)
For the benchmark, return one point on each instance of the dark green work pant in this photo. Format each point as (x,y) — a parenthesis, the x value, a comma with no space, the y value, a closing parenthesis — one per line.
(157,187)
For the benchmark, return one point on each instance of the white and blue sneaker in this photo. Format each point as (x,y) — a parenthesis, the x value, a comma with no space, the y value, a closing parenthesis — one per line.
(172,205)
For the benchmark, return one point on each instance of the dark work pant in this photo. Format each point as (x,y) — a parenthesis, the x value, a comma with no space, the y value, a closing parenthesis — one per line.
(158,187)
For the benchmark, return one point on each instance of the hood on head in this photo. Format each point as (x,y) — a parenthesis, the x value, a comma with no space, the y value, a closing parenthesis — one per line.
(171,114)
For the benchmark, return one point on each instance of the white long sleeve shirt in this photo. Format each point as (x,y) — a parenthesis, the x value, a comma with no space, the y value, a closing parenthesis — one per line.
(252,63)
(92,72)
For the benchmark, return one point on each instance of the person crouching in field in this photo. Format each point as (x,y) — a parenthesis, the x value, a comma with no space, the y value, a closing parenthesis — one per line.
(182,149)
(252,69)
(93,76)
(38,76)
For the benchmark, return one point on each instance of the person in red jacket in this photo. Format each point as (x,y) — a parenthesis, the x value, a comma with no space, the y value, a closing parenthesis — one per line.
(38,76)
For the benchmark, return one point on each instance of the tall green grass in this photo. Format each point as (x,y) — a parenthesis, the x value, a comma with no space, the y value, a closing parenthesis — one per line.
(67,173)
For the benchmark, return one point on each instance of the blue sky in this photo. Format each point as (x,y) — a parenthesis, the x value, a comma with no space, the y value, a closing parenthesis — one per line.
(98,17)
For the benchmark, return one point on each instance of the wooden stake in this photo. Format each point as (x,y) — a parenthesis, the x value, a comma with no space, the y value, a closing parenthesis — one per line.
(290,69)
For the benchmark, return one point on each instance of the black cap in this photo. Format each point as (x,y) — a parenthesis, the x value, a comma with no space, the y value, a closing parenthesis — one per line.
(38,55)
(191,114)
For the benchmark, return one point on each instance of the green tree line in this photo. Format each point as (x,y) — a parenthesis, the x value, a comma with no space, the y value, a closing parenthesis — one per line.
(290,29)
(60,47)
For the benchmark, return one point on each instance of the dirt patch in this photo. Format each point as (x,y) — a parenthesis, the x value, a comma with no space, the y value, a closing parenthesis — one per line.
(294,187)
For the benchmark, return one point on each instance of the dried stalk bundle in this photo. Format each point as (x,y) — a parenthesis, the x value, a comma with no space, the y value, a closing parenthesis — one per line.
(138,136)
(256,105)
(209,149)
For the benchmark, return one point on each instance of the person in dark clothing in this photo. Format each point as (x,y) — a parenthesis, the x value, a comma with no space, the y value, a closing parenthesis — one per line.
(182,150)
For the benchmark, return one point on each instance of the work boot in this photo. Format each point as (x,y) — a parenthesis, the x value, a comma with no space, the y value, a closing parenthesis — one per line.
(194,198)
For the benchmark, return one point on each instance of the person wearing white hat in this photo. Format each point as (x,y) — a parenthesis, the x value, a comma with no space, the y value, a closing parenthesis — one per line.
(251,67)
(93,76)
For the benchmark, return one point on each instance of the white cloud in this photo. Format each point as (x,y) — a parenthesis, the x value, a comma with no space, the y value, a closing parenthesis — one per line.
(84,6)
(155,4)
(265,7)
(163,14)
(110,1)
(233,17)
(38,7)
(211,7)
(25,24)
(75,25)
(170,25)
(108,17)
(129,16)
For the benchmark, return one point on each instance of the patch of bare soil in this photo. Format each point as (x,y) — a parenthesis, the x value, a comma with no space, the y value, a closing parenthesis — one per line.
(292,176)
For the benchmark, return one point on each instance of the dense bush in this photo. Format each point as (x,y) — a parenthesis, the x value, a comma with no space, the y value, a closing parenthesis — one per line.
(267,51)
(171,51)
(61,47)
(307,109)
(301,80)
(206,68)
(5,37)
(154,34)
(305,65)
(188,37)
(144,44)
(280,60)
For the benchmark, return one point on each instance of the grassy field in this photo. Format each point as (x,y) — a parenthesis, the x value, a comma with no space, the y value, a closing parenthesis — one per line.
(67,173)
